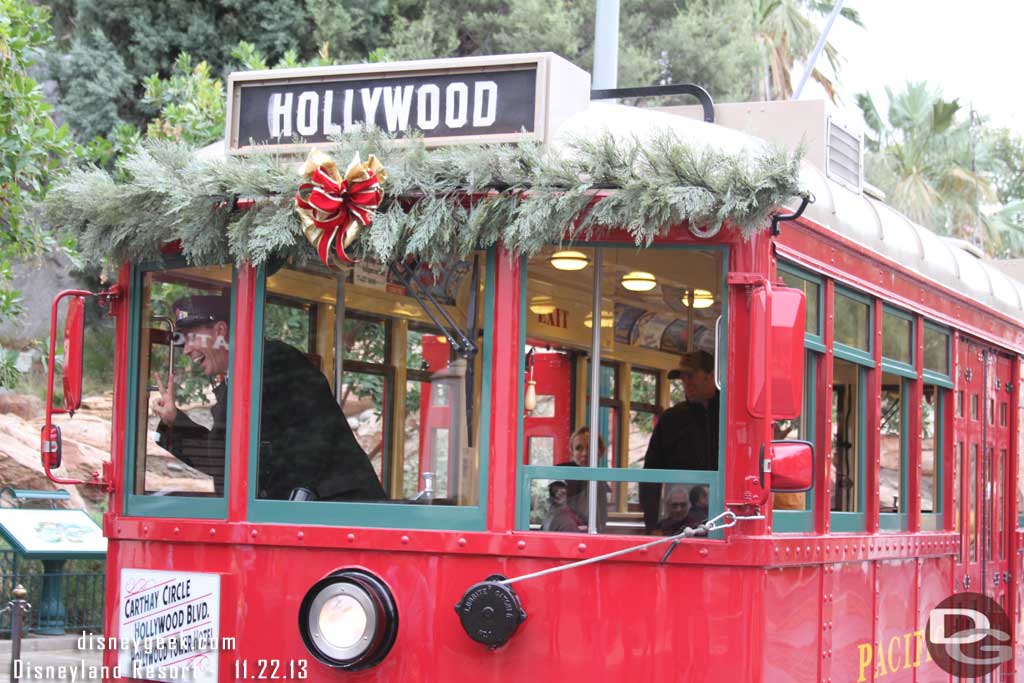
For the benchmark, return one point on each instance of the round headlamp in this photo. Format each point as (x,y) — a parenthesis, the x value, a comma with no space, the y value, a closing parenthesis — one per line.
(349,620)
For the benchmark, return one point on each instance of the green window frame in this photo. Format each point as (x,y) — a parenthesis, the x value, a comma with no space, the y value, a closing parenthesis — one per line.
(139,505)
(897,521)
(799,278)
(714,480)
(931,375)
(864,359)
(788,521)
(391,514)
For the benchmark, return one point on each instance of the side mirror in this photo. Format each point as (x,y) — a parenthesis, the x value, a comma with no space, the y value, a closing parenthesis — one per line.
(791,466)
(785,368)
(74,333)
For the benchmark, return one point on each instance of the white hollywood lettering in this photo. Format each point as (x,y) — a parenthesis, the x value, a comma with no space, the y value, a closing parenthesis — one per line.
(456,105)
(371,100)
(347,115)
(279,115)
(428,106)
(397,104)
(330,127)
(482,117)
(306,123)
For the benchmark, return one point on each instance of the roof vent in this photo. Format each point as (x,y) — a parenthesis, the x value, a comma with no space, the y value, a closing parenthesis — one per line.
(845,155)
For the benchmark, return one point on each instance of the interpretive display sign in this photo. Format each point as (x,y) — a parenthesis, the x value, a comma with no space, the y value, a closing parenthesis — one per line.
(52,534)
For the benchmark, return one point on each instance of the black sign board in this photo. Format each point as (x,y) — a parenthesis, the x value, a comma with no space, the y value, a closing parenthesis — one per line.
(447,104)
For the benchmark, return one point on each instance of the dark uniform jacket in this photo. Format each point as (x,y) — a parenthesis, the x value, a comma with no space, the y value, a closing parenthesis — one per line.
(685,438)
(305,439)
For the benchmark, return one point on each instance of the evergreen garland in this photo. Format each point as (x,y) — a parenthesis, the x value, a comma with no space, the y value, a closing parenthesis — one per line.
(438,204)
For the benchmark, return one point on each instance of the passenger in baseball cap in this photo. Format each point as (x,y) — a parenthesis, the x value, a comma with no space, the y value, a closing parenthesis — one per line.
(686,435)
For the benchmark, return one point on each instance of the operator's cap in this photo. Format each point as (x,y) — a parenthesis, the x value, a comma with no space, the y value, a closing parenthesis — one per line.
(205,309)
(693,361)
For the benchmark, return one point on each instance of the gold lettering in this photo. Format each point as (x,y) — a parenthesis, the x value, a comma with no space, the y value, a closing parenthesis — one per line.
(881,670)
(906,650)
(918,640)
(865,655)
(894,667)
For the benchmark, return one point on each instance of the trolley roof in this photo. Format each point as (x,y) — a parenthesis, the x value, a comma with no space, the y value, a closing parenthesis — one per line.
(855,215)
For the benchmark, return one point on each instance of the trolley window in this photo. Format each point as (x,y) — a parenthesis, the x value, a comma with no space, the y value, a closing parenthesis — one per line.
(181,358)
(852,362)
(650,315)
(377,422)
(794,511)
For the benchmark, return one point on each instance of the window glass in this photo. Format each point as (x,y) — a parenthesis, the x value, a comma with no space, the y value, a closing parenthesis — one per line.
(798,428)
(847,419)
(894,447)
(810,290)
(931,457)
(957,481)
(936,350)
(349,419)
(184,361)
(646,336)
(897,338)
(852,325)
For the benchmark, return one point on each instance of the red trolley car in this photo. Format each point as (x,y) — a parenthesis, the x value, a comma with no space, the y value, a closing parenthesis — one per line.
(896,353)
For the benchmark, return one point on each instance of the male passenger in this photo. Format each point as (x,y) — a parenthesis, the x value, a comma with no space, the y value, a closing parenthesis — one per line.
(686,435)
(305,439)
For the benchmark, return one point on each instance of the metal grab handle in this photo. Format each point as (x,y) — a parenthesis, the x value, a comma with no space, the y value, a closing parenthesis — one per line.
(966,581)
(170,343)
(718,339)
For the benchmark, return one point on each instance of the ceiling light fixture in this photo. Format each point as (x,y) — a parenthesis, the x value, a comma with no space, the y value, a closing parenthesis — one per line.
(569,260)
(639,281)
(702,298)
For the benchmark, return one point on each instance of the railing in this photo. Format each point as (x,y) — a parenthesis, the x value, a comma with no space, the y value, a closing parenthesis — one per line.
(81,585)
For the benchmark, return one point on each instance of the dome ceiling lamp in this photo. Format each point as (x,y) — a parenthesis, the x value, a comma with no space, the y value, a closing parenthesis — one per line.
(639,281)
(700,298)
(569,260)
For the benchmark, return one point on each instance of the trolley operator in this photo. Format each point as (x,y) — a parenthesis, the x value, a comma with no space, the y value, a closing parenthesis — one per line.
(305,440)
(686,436)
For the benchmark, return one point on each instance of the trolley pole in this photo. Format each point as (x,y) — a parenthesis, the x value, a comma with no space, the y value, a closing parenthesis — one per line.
(606,45)
(19,609)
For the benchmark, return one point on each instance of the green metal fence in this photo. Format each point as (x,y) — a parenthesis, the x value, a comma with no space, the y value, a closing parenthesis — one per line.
(80,582)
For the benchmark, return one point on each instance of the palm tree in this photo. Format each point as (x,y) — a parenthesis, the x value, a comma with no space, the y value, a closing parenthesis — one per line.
(785,31)
(935,169)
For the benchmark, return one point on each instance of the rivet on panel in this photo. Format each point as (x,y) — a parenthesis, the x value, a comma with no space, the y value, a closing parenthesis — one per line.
(177,531)
(301,535)
(145,528)
(521,545)
(405,540)
(254,533)
(462,542)
(351,538)
(703,552)
(213,531)
(582,547)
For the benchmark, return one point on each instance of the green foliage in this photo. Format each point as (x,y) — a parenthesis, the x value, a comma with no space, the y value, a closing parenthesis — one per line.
(163,193)
(97,86)
(32,148)
(190,102)
(9,375)
(936,168)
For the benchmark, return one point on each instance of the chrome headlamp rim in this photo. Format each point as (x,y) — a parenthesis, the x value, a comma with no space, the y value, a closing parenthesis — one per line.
(378,635)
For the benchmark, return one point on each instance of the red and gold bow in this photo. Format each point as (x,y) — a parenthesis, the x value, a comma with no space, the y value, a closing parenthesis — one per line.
(334,209)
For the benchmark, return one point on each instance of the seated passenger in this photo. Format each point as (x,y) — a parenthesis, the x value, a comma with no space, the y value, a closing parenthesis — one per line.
(579,454)
(684,509)
(560,516)
(305,440)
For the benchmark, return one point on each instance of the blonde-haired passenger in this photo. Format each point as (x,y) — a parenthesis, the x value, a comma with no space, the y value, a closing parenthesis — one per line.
(579,456)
